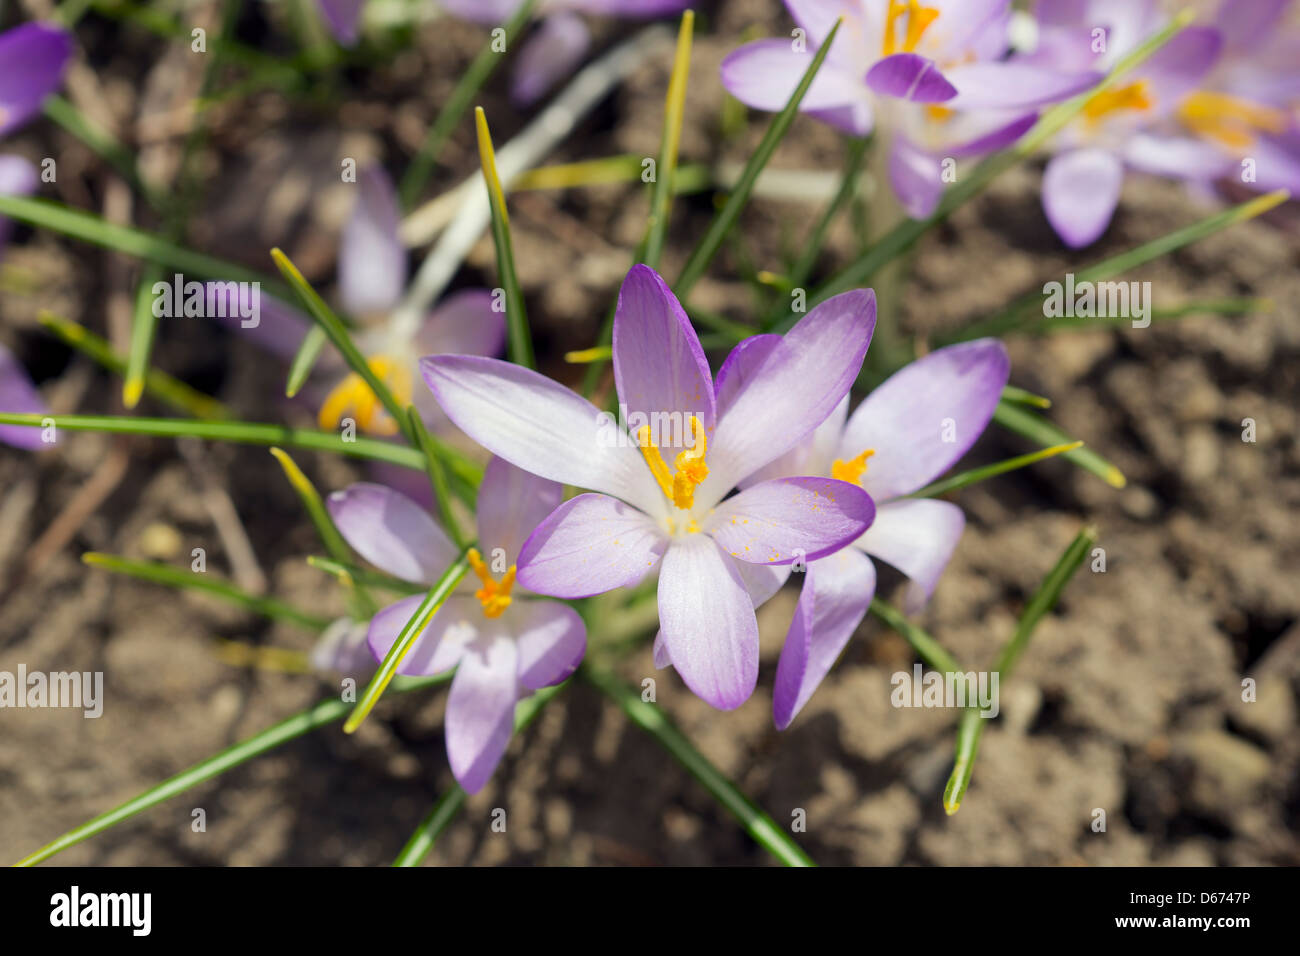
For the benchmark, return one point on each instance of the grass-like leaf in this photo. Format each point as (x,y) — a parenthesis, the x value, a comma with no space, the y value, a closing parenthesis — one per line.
(338,334)
(519,343)
(971,727)
(1019,396)
(711,241)
(437,477)
(661,194)
(319,715)
(44,214)
(424,836)
(249,433)
(651,718)
(406,639)
(1023,422)
(961,480)
(171,577)
(1026,313)
(470,82)
(144,327)
(346,572)
(926,647)
(304,360)
(157,383)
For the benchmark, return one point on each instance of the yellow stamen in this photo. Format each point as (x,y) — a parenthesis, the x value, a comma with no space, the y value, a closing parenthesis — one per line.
(1134,96)
(679,487)
(939,114)
(353,395)
(851,470)
(1228,119)
(493,595)
(919,19)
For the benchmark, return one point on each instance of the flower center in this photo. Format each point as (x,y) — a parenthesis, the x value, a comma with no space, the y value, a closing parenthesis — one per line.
(678,487)
(851,470)
(353,395)
(494,595)
(1134,96)
(917,17)
(1228,119)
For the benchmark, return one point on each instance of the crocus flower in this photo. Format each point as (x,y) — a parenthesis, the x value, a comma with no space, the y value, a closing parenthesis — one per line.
(905,434)
(33,58)
(561,39)
(652,508)
(929,75)
(343,17)
(343,648)
(1121,126)
(372,276)
(502,642)
(1246,107)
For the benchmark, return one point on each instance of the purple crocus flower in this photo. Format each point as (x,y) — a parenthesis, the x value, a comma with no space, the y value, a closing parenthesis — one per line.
(33,58)
(717,558)
(502,643)
(928,74)
(343,17)
(561,40)
(1122,126)
(372,275)
(905,434)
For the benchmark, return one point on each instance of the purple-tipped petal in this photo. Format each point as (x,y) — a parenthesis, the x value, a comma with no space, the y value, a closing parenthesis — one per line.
(494,12)
(551,639)
(18,177)
(1014,85)
(988,136)
(372,259)
(791,391)
(917,536)
(392,532)
(439,648)
(464,323)
(343,17)
(541,427)
(1177,157)
(660,370)
(925,416)
(812,456)
(762,581)
(481,709)
(550,54)
(708,622)
(1080,192)
(511,503)
(18,394)
(790,519)
(836,593)
(1178,67)
(912,77)
(343,649)
(1247,23)
(765,74)
(277,328)
(33,57)
(741,368)
(916,177)
(589,545)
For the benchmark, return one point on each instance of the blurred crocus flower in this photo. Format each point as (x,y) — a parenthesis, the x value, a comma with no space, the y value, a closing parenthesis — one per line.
(905,434)
(33,58)
(343,18)
(1126,125)
(342,649)
(561,39)
(372,277)
(717,558)
(931,76)
(503,643)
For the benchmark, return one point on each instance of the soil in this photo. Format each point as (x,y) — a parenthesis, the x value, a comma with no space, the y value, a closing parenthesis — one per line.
(1128,701)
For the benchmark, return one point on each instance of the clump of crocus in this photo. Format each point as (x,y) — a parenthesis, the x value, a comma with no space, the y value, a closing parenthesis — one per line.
(1125,125)
(560,41)
(372,274)
(931,76)
(33,58)
(905,434)
(502,641)
(661,474)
